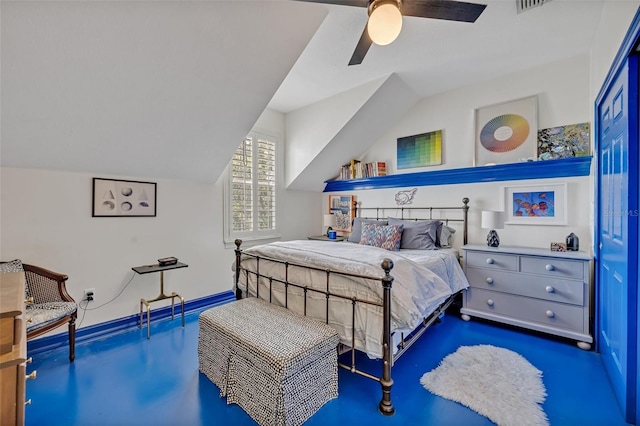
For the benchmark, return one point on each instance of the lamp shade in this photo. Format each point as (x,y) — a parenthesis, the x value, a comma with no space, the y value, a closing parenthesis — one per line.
(329,220)
(492,220)
(385,21)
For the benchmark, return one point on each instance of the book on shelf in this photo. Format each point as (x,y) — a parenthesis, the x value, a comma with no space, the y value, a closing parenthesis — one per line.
(358,170)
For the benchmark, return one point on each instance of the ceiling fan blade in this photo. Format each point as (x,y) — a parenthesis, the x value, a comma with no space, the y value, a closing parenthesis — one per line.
(362,48)
(358,3)
(442,9)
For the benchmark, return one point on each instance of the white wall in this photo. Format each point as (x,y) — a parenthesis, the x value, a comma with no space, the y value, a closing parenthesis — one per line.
(563,98)
(46,220)
(614,24)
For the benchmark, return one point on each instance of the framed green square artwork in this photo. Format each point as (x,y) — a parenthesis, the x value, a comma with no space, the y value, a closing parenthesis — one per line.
(420,150)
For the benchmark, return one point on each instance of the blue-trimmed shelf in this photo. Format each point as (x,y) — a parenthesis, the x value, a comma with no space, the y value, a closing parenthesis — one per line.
(566,167)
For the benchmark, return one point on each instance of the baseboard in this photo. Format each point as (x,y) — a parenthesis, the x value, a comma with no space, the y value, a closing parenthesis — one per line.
(121,325)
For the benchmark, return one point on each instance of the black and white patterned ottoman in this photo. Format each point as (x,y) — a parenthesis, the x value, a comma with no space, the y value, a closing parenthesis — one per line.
(279,366)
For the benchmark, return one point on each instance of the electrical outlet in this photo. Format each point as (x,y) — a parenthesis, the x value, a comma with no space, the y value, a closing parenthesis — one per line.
(89,294)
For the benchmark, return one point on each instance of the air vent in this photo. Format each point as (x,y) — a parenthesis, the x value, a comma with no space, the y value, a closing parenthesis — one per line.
(524,5)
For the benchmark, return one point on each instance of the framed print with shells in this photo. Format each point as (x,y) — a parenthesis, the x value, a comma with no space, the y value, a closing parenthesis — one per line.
(114,198)
(342,206)
(506,132)
(536,204)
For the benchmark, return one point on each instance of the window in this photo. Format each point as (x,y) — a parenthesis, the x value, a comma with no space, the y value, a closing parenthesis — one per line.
(252,190)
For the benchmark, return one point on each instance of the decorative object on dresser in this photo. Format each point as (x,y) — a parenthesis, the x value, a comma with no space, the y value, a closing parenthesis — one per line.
(492,220)
(329,220)
(572,242)
(531,288)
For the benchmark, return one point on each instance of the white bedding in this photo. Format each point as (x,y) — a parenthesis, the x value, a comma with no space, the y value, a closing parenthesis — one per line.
(423,279)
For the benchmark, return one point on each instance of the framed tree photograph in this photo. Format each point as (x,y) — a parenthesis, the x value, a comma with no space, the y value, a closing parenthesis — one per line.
(506,132)
(115,198)
(342,207)
(536,204)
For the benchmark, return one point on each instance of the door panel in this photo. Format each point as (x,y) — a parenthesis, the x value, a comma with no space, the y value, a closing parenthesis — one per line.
(613,255)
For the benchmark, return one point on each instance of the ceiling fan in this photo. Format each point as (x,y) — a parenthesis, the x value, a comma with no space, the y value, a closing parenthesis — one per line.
(385,17)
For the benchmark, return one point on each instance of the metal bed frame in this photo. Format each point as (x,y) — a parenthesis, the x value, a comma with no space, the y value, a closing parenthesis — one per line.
(388,357)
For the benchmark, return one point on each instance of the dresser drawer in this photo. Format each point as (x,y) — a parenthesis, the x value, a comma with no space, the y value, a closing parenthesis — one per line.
(553,267)
(553,289)
(551,314)
(489,260)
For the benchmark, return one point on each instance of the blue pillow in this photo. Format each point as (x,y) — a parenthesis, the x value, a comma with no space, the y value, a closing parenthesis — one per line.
(417,234)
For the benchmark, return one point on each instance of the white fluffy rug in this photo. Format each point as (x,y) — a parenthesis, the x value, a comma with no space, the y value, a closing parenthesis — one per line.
(495,382)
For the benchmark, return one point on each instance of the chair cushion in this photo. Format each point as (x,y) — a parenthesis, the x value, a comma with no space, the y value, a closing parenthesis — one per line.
(41,314)
(11,266)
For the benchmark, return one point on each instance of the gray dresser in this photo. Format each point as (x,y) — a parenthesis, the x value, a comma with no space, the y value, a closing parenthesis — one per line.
(532,288)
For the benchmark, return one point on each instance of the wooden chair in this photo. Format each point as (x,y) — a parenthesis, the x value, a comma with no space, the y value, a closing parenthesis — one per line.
(48,304)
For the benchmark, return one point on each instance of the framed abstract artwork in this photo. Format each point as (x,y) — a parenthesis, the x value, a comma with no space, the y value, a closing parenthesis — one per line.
(115,198)
(342,207)
(536,204)
(420,150)
(564,142)
(506,132)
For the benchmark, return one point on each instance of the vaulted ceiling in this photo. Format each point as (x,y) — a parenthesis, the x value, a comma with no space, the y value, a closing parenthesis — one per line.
(169,88)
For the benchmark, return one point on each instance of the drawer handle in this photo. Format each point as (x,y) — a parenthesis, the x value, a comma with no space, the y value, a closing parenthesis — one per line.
(550,267)
(490,261)
(490,302)
(549,289)
(550,314)
(32,375)
(489,280)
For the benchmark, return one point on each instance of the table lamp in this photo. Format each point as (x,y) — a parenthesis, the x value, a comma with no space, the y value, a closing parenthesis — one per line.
(492,220)
(329,220)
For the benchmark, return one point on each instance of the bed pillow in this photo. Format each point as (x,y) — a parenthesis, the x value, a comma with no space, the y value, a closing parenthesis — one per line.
(445,236)
(384,236)
(417,234)
(356,229)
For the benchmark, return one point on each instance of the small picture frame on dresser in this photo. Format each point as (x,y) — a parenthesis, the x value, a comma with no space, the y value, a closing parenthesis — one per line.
(558,247)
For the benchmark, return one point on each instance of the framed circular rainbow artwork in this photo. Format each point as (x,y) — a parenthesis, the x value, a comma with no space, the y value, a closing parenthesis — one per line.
(507,132)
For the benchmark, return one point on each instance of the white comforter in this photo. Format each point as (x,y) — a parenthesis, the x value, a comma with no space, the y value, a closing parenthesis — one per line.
(418,287)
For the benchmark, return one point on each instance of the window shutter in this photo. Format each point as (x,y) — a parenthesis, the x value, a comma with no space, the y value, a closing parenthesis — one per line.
(253,185)
(266,185)
(242,187)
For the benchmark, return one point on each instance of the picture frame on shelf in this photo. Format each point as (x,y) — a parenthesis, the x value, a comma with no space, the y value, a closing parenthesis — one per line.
(122,198)
(419,150)
(342,207)
(506,132)
(536,204)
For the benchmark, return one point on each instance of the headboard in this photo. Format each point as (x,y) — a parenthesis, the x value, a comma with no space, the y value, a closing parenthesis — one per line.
(459,214)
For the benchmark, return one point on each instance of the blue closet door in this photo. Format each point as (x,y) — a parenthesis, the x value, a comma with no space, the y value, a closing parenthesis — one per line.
(617,269)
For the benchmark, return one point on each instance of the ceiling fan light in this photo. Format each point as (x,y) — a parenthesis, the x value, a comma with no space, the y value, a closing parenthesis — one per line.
(385,22)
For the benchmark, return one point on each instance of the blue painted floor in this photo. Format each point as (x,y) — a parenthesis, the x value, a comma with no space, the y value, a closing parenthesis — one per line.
(127,379)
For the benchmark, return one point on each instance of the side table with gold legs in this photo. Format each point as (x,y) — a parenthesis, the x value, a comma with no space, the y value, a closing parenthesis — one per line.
(147,269)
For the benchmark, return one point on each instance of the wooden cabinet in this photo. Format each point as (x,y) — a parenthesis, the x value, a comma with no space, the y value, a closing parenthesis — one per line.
(13,344)
(532,288)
